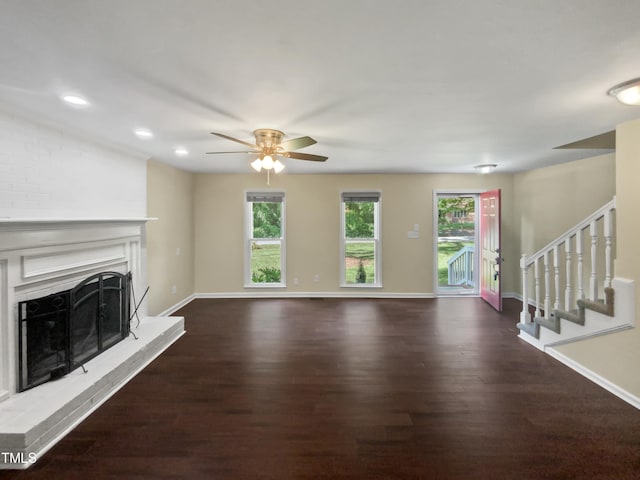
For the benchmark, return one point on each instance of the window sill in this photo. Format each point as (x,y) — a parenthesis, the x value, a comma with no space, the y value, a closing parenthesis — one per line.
(360,285)
(266,285)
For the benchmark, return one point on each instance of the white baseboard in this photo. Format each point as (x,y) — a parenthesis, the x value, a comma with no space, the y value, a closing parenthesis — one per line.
(595,378)
(280,294)
(525,337)
(518,296)
(171,310)
(277,294)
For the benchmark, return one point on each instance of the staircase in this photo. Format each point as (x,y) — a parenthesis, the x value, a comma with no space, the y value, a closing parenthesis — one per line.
(568,287)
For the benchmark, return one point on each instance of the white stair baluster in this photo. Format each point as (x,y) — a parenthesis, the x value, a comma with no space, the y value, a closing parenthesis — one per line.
(524,315)
(608,237)
(568,293)
(536,277)
(556,272)
(593,281)
(547,287)
(579,258)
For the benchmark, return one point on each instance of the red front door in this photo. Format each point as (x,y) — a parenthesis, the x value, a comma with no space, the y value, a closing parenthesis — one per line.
(491,259)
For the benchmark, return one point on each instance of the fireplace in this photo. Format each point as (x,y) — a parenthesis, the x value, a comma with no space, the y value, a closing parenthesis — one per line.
(60,332)
(59,276)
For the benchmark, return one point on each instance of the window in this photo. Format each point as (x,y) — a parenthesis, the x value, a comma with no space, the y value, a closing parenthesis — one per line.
(361,251)
(264,240)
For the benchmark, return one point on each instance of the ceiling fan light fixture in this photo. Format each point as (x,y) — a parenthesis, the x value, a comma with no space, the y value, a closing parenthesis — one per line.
(256,164)
(267,162)
(269,145)
(485,168)
(627,92)
(278,166)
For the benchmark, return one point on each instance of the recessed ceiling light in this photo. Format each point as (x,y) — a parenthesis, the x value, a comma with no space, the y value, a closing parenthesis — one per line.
(627,92)
(143,133)
(75,100)
(485,168)
(181,152)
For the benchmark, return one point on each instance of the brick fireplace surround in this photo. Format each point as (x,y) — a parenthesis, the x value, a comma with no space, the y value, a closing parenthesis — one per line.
(41,257)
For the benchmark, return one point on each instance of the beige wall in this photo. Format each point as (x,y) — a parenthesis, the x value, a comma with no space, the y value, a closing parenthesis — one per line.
(549,201)
(313,223)
(170,199)
(628,203)
(615,357)
(313,228)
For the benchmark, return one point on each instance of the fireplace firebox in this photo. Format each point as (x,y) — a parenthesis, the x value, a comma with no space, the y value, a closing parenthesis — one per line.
(60,332)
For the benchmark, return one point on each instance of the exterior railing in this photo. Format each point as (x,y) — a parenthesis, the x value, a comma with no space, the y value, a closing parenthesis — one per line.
(460,267)
(559,274)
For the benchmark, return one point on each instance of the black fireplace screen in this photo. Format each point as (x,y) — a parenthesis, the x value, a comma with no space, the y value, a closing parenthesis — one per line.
(60,332)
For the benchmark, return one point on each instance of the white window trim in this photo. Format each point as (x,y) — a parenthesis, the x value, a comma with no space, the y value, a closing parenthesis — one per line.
(377,242)
(248,239)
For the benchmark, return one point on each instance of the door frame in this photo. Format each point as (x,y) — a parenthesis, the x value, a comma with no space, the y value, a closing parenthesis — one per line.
(454,192)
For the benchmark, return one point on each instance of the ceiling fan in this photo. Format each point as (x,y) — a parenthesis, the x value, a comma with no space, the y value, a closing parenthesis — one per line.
(269,145)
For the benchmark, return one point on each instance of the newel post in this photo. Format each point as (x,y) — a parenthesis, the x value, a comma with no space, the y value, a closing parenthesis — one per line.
(525,316)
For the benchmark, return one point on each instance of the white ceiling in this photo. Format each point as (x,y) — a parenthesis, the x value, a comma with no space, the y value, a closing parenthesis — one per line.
(382,85)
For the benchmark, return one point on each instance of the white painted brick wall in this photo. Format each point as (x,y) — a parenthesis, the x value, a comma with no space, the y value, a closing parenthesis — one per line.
(45,173)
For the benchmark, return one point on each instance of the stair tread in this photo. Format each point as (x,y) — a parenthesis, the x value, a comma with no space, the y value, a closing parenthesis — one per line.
(532,328)
(572,316)
(550,323)
(570,312)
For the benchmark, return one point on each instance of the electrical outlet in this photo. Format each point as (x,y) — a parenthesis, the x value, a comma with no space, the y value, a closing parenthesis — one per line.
(295,280)
(178,252)
(316,278)
(174,289)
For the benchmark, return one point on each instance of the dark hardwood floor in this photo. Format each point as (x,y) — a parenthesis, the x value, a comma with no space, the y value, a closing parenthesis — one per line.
(352,389)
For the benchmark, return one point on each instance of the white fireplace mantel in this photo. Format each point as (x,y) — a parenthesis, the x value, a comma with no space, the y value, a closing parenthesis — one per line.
(39,257)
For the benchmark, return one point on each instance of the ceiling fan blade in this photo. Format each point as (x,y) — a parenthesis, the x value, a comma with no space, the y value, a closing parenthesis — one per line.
(252,145)
(250,153)
(304,156)
(296,143)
